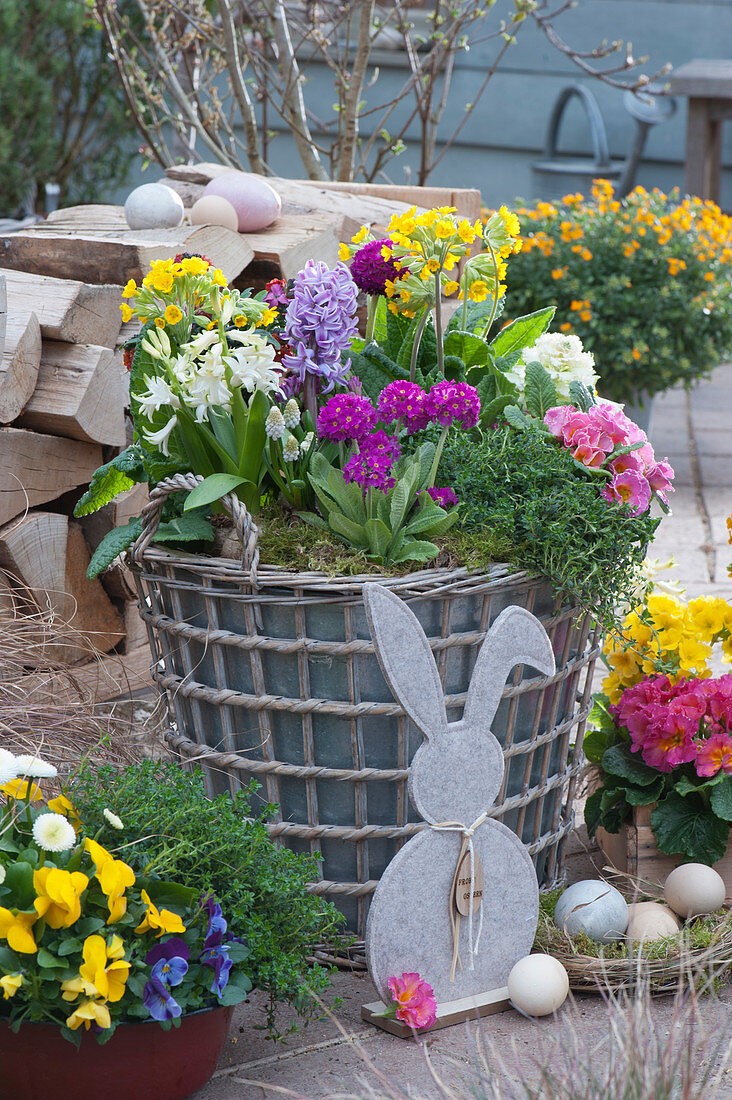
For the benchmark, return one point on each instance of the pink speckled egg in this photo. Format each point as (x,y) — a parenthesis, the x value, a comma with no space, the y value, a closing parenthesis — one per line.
(257,204)
(214,210)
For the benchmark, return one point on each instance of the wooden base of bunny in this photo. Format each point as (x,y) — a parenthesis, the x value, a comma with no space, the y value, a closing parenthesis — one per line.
(448,1013)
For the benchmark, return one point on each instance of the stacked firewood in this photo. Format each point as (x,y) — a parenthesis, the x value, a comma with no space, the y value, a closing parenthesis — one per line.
(64,392)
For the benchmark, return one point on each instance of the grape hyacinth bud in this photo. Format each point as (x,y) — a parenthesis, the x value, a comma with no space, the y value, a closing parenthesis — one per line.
(274,425)
(291,449)
(291,414)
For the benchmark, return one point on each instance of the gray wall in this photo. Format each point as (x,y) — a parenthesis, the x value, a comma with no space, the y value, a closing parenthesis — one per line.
(507,130)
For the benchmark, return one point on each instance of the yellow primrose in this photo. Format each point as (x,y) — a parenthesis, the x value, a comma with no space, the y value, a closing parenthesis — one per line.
(194,265)
(478,291)
(59,893)
(114,878)
(108,980)
(61,805)
(161,920)
(344,252)
(172,314)
(130,289)
(88,1013)
(360,237)
(10,984)
(18,788)
(127,313)
(450,287)
(241,321)
(269,316)
(16,927)
(444,229)
(708,616)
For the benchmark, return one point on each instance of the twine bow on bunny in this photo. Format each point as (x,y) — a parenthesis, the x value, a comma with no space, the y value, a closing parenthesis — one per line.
(466,846)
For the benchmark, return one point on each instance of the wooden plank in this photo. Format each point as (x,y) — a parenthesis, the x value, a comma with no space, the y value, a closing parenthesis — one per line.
(101,680)
(283,249)
(77,313)
(19,365)
(47,554)
(707,77)
(38,468)
(93,248)
(80,393)
(3,313)
(449,1013)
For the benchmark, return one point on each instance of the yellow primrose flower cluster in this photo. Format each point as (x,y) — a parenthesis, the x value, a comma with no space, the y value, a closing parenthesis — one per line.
(666,635)
(172,289)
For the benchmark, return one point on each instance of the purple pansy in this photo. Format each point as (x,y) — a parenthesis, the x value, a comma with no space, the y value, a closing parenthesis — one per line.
(346,416)
(218,958)
(320,322)
(158,1001)
(174,948)
(170,971)
(216,924)
(370,271)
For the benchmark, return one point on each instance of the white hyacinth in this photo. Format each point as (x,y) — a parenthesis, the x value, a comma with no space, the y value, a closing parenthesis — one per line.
(563,357)
(292,414)
(32,767)
(160,438)
(8,767)
(291,449)
(274,425)
(114,821)
(2,874)
(307,443)
(252,364)
(158,393)
(53,833)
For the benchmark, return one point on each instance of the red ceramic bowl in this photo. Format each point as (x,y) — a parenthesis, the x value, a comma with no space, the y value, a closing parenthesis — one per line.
(140,1061)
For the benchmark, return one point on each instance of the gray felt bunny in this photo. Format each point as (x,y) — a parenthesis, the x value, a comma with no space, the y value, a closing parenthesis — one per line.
(454,779)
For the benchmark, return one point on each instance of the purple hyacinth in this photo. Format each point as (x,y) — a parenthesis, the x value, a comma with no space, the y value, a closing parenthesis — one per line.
(370,271)
(371,467)
(404,401)
(346,416)
(320,322)
(453,402)
(445,497)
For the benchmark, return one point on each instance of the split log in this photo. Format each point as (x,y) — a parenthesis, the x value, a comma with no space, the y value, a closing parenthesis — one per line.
(282,250)
(135,628)
(81,393)
(47,553)
(94,245)
(67,310)
(19,364)
(117,581)
(38,468)
(3,312)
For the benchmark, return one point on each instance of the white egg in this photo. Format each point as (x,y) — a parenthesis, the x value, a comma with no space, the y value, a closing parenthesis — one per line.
(153,206)
(650,921)
(693,889)
(256,203)
(538,985)
(214,210)
(593,907)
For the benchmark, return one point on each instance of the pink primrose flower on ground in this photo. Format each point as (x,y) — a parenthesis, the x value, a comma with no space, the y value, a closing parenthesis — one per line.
(714,754)
(414,999)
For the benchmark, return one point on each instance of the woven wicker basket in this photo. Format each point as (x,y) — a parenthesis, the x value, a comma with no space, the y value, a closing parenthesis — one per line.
(272,675)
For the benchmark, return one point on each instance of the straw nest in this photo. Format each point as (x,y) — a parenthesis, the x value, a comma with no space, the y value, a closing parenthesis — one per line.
(699,955)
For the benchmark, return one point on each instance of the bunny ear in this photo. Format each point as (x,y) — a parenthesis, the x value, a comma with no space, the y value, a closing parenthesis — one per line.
(406,658)
(515,638)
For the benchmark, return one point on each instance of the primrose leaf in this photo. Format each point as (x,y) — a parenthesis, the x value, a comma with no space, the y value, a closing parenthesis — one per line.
(114,543)
(686,826)
(115,477)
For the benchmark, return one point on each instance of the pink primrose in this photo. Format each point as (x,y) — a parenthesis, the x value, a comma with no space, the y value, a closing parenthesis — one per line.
(414,999)
(631,489)
(665,749)
(556,418)
(713,754)
(631,461)
(660,475)
(614,422)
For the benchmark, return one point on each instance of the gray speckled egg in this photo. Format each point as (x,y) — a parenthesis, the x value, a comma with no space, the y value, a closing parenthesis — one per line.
(595,908)
(153,206)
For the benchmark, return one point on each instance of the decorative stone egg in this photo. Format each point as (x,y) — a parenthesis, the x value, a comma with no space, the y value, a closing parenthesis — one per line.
(257,204)
(593,907)
(538,985)
(153,206)
(214,210)
(693,889)
(650,921)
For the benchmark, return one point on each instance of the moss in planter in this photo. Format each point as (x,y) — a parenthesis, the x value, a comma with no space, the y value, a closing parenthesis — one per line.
(287,542)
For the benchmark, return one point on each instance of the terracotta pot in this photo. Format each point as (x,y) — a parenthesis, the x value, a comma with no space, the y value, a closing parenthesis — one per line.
(140,1060)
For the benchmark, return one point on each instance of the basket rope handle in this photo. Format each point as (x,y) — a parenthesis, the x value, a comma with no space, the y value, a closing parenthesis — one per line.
(246,529)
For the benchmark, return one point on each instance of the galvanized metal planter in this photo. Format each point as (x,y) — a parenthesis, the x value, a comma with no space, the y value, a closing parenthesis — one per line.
(272,675)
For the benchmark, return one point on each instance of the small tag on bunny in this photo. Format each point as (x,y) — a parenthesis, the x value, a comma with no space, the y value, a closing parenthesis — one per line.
(461,890)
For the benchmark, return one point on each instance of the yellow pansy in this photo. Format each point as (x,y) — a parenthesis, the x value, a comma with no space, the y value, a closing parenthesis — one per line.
(59,893)
(61,805)
(16,929)
(74,987)
(88,1013)
(172,314)
(114,878)
(159,920)
(18,788)
(10,984)
(99,855)
(104,967)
